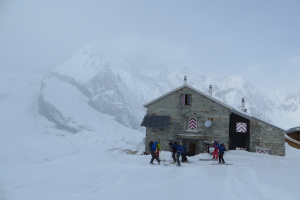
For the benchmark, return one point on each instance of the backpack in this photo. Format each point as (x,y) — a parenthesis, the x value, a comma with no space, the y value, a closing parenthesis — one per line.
(150,145)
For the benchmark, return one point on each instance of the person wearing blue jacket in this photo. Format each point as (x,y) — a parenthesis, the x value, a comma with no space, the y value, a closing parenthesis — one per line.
(173,147)
(153,154)
(222,149)
(179,150)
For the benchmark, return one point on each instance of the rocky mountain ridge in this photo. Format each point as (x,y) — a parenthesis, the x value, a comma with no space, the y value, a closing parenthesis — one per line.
(120,89)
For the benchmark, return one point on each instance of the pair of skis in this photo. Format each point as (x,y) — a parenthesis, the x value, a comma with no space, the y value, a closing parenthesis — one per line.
(222,164)
(215,163)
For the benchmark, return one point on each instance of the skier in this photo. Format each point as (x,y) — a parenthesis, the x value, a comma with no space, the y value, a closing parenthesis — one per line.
(179,150)
(222,149)
(153,154)
(173,146)
(215,153)
(158,149)
(183,155)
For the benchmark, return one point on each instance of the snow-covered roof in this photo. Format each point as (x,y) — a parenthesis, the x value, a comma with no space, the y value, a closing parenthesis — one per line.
(190,87)
(268,123)
(293,129)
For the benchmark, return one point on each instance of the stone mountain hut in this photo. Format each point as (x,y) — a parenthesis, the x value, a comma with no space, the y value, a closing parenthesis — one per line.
(188,115)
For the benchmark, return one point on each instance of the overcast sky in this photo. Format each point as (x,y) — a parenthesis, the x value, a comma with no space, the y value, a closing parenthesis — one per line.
(259,40)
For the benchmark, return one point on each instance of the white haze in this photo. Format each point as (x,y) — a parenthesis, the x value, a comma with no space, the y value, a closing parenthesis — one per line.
(258,40)
(66,134)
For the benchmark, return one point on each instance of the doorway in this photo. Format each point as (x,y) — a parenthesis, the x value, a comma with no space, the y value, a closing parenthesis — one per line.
(192,147)
(239,137)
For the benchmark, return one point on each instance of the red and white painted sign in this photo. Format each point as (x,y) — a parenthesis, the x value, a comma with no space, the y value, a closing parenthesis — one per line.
(206,149)
(193,123)
(262,150)
(241,127)
(183,99)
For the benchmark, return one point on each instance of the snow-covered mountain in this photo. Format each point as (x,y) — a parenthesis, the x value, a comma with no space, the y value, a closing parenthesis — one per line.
(120,88)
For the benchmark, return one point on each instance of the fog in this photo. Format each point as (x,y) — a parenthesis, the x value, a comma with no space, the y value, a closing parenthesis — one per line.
(257,39)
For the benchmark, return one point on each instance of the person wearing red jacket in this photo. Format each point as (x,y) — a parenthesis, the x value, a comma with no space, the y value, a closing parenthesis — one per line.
(158,149)
(216,150)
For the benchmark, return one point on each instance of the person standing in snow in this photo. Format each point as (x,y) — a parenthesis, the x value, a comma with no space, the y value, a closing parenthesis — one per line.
(153,154)
(183,155)
(179,150)
(215,153)
(158,149)
(173,147)
(222,149)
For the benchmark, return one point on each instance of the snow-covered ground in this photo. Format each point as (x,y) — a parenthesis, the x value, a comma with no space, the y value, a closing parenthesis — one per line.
(40,162)
(114,175)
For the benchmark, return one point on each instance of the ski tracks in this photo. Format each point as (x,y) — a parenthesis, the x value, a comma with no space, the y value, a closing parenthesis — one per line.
(245,183)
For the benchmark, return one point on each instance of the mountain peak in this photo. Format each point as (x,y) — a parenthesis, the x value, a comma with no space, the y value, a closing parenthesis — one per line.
(83,66)
(89,50)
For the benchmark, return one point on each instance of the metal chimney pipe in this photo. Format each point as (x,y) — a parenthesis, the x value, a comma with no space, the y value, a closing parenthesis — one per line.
(185,80)
(210,90)
(243,105)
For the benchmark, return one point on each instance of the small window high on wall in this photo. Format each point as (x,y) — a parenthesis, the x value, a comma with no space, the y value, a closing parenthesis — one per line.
(186,99)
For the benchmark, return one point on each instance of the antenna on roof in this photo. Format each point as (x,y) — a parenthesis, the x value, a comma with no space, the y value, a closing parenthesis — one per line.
(185,80)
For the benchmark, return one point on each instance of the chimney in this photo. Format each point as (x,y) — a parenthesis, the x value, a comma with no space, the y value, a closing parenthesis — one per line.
(184,80)
(210,90)
(243,105)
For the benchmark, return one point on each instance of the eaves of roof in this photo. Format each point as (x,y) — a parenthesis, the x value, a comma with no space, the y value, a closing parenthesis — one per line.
(190,87)
(269,124)
(295,129)
(245,115)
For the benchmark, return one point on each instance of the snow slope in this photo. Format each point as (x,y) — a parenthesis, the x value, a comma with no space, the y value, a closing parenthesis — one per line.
(28,137)
(111,175)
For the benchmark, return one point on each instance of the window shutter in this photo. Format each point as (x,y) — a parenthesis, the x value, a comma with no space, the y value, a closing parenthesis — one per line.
(193,123)
(182,100)
(189,100)
(241,127)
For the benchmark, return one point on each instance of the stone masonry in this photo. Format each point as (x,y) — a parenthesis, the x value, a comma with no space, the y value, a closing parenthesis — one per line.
(202,108)
(267,136)
(262,134)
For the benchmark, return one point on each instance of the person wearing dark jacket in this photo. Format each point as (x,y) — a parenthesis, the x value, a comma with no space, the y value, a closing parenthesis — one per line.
(173,147)
(222,149)
(153,154)
(183,155)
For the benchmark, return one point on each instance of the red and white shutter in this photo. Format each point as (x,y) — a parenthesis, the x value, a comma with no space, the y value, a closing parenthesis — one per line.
(193,123)
(241,127)
(182,99)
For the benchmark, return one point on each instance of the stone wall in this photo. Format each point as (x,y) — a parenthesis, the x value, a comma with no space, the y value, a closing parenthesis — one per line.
(202,108)
(262,134)
(267,136)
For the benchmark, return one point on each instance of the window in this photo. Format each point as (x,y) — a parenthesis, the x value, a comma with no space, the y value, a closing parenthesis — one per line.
(155,121)
(186,99)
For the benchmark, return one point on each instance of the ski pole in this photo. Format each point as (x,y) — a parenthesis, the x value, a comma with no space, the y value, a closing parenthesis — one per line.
(225,157)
